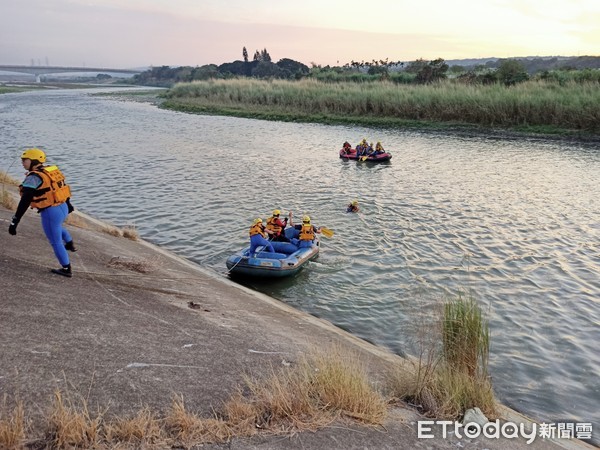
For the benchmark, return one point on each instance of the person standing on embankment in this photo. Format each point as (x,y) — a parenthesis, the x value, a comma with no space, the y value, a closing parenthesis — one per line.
(45,188)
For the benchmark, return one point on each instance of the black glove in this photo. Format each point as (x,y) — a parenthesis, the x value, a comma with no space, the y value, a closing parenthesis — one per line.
(12,229)
(69,206)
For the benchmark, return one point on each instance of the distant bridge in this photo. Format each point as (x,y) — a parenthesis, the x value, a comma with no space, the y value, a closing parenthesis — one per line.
(45,70)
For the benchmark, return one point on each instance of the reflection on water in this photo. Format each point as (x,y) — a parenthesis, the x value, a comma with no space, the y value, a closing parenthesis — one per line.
(512,222)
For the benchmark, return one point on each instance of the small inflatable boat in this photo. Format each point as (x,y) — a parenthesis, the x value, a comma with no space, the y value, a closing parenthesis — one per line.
(287,260)
(351,154)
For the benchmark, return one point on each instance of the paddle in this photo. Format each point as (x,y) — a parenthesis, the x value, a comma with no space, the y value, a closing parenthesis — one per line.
(364,158)
(327,232)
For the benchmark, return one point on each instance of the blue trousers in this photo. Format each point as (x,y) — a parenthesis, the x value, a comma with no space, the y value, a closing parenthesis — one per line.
(256,241)
(302,244)
(52,222)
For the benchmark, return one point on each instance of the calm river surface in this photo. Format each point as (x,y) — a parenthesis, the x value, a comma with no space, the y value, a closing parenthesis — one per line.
(512,222)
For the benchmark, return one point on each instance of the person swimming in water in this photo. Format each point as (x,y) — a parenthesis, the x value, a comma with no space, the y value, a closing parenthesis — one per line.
(352,206)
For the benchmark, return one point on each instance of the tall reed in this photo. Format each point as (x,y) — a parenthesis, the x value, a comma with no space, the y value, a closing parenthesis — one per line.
(447,379)
(465,337)
(572,106)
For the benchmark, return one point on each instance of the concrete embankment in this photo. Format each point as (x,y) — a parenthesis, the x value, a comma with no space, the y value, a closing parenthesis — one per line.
(125,340)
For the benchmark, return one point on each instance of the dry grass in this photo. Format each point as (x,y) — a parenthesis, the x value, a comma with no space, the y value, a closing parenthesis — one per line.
(340,381)
(12,426)
(77,221)
(324,386)
(187,429)
(282,403)
(8,200)
(72,426)
(6,197)
(141,430)
(441,392)
(446,380)
(112,230)
(140,265)
(128,231)
(241,414)
(5,178)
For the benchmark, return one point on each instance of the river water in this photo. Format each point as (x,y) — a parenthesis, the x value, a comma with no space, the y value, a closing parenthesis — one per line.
(513,223)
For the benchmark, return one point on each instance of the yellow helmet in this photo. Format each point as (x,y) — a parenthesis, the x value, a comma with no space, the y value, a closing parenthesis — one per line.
(257,221)
(306,219)
(378,142)
(354,202)
(276,212)
(35,154)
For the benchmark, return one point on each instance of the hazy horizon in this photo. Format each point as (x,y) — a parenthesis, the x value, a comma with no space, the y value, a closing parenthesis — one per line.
(143,33)
(42,64)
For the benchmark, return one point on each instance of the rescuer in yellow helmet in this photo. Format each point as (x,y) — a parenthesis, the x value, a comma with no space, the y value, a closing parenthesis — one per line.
(44,188)
(277,226)
(307,234)
(352,206)
(258,234)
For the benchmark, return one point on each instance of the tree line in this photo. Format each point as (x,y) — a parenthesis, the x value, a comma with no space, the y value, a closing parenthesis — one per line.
(505,71)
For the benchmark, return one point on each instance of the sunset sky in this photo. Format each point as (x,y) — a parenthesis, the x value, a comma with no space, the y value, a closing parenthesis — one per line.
(140,33)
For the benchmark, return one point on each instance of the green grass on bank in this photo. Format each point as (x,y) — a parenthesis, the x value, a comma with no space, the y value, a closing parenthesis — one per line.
(11,89)
(32,86)
(534,106)
(447,379)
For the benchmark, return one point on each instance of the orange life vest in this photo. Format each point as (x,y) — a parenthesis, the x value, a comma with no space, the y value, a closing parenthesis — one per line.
(53,190)
(257,229)
(272,225)
(307,233)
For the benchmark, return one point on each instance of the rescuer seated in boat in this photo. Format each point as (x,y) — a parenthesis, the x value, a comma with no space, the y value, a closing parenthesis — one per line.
(352,206)
(307,233)
(370,149)
(347,148)
(258,234)
(378,149)
(277,226)
(361,149)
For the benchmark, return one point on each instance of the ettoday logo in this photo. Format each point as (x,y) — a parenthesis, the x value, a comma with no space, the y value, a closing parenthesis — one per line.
(507,430)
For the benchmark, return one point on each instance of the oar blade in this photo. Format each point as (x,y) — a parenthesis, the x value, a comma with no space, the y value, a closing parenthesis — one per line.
(327,232)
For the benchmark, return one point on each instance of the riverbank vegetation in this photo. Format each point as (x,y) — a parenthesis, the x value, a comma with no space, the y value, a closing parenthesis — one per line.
(23,86)
(541,105)
(10,89)
(557,95)
(326,386)
(6,198)
(446,380)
